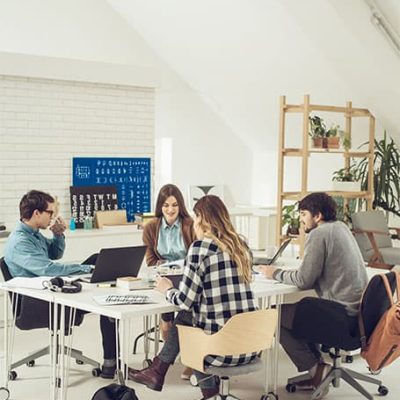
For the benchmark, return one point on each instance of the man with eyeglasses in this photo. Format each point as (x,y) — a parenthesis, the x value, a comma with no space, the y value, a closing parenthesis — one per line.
(28,253)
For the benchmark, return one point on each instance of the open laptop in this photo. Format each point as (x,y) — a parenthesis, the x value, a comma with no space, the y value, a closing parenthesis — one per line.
(270,261)
(115,263)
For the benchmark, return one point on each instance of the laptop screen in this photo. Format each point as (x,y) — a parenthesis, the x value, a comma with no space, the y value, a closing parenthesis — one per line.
(118,262)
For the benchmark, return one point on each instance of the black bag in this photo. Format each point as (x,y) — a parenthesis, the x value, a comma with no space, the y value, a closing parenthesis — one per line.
(115,392)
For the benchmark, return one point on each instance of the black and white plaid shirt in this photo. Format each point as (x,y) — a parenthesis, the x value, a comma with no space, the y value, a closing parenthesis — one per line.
(212,289)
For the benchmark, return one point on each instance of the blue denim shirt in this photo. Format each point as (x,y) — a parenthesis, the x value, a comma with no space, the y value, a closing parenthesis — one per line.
(170,244)
(28,253)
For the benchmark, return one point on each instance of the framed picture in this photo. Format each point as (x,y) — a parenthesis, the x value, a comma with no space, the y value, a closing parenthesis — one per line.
(196,192)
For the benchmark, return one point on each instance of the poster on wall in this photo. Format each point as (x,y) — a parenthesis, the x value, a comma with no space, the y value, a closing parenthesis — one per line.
(86,200)
(131,177)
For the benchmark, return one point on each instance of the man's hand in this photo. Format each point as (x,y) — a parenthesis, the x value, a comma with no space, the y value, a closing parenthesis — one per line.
(59,226)
(163,284)
(267,270)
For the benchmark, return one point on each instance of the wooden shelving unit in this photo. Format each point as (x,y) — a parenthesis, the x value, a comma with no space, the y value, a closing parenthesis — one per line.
(306,151)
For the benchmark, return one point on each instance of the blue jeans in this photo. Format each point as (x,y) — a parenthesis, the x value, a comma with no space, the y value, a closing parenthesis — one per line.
(171,349)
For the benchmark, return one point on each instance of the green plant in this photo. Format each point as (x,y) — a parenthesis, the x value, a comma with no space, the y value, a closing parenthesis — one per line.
(346,175)
(317,127)
(386,175)
(334,130)
(291,218)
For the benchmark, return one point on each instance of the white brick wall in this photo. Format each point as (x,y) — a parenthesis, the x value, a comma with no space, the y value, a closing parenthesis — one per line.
(44,123)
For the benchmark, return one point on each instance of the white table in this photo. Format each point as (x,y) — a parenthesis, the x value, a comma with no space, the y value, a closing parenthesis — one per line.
(265,292)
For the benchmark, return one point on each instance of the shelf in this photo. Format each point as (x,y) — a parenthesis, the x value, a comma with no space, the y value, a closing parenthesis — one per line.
(337,193)
(294,152)
(351,112)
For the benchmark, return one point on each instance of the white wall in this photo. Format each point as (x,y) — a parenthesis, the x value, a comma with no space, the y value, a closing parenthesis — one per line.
(91,30)
(44,123)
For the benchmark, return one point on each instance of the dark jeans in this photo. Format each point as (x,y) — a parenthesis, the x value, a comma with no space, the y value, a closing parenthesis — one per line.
(107,326)
(171,349)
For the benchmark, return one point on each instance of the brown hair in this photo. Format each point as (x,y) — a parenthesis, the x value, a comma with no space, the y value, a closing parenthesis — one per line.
(319,202)
(33,200)
(217,225)
(167,191)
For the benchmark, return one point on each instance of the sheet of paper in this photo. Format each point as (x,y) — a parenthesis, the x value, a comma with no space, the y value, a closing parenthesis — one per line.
(28,283)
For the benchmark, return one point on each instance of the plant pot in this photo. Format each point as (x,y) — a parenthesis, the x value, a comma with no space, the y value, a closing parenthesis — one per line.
(332,142)
(292,230)
(317,142)
(346,186)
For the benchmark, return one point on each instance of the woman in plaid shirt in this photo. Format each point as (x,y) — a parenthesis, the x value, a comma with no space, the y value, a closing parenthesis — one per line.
(215,286)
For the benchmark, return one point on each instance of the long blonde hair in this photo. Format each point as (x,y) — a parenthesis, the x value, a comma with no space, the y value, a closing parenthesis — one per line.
(216,224)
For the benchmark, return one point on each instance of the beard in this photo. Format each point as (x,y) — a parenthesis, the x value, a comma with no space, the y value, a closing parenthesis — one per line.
(308,230)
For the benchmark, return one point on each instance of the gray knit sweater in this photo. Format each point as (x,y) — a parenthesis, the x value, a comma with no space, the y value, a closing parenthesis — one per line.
(332,265)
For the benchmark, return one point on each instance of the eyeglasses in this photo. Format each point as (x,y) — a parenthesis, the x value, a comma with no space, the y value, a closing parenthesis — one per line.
(50,212)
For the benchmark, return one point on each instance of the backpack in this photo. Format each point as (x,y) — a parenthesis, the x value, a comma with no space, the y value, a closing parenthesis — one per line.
(380,330)
(115,391)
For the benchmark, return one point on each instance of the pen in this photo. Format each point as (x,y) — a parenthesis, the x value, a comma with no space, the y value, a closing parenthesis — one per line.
(106,285)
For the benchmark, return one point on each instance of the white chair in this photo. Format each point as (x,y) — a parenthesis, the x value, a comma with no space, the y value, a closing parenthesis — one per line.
(244,333)
(373,236)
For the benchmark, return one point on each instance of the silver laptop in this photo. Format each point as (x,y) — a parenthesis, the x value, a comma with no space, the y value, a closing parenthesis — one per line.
(115,263)
(270,261)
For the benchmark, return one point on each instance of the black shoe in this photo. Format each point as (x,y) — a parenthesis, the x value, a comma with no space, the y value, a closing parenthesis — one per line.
(108,372)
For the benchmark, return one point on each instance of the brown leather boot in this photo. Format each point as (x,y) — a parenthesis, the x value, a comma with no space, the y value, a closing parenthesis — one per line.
(152,377)
(209,393)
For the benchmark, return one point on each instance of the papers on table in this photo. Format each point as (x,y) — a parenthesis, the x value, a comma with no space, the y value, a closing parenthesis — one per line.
(114,299)
(261,278)
(27,283)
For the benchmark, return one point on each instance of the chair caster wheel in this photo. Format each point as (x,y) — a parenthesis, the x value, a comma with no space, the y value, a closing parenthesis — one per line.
(269,396)
(4,393)
(147,363)
(377,372)
(96,372)
(348,359)
(291,387)
(12,375)
(79,362)
(383,390)
(193,380)
(58,382)
(30,363)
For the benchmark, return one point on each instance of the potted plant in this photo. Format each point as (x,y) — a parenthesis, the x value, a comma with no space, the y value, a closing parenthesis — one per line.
(291,219)
(333,137)
(346,180)
(317,131)
(386,175)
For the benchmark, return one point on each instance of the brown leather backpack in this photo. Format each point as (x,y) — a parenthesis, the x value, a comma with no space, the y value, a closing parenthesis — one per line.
(381,345)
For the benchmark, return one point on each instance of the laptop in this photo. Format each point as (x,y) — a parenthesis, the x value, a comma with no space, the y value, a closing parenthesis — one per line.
(115,263)
(270,261)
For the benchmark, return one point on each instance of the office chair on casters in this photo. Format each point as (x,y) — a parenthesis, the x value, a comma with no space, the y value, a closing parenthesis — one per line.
(30,313)
(244,333)
(338,332)
(371,231)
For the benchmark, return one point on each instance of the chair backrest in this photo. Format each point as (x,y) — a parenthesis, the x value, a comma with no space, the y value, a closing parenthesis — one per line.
(375,301)
(373,221)
(244,333)
(4,270)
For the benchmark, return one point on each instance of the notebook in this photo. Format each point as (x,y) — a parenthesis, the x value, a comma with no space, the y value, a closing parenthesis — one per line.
(270,261)
(115,263)
(174,278)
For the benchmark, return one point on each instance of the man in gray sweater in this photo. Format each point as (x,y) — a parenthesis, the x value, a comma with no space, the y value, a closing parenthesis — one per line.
(334,267)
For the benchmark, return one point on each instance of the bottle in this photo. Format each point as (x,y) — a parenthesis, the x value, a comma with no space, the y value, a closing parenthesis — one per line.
(72,225)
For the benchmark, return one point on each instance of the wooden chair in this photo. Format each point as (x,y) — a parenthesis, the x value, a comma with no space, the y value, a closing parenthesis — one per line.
(244,333)
(373,236)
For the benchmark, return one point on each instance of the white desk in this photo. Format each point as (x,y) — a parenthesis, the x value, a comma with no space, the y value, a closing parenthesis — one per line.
(265,292)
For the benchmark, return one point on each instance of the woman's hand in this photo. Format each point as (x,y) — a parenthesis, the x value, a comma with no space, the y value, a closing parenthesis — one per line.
(163,284)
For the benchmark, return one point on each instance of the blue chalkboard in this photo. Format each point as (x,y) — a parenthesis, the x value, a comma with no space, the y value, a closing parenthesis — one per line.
(131,176)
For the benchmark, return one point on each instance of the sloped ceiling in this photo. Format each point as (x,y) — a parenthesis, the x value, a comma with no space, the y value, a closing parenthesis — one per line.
(240,55)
